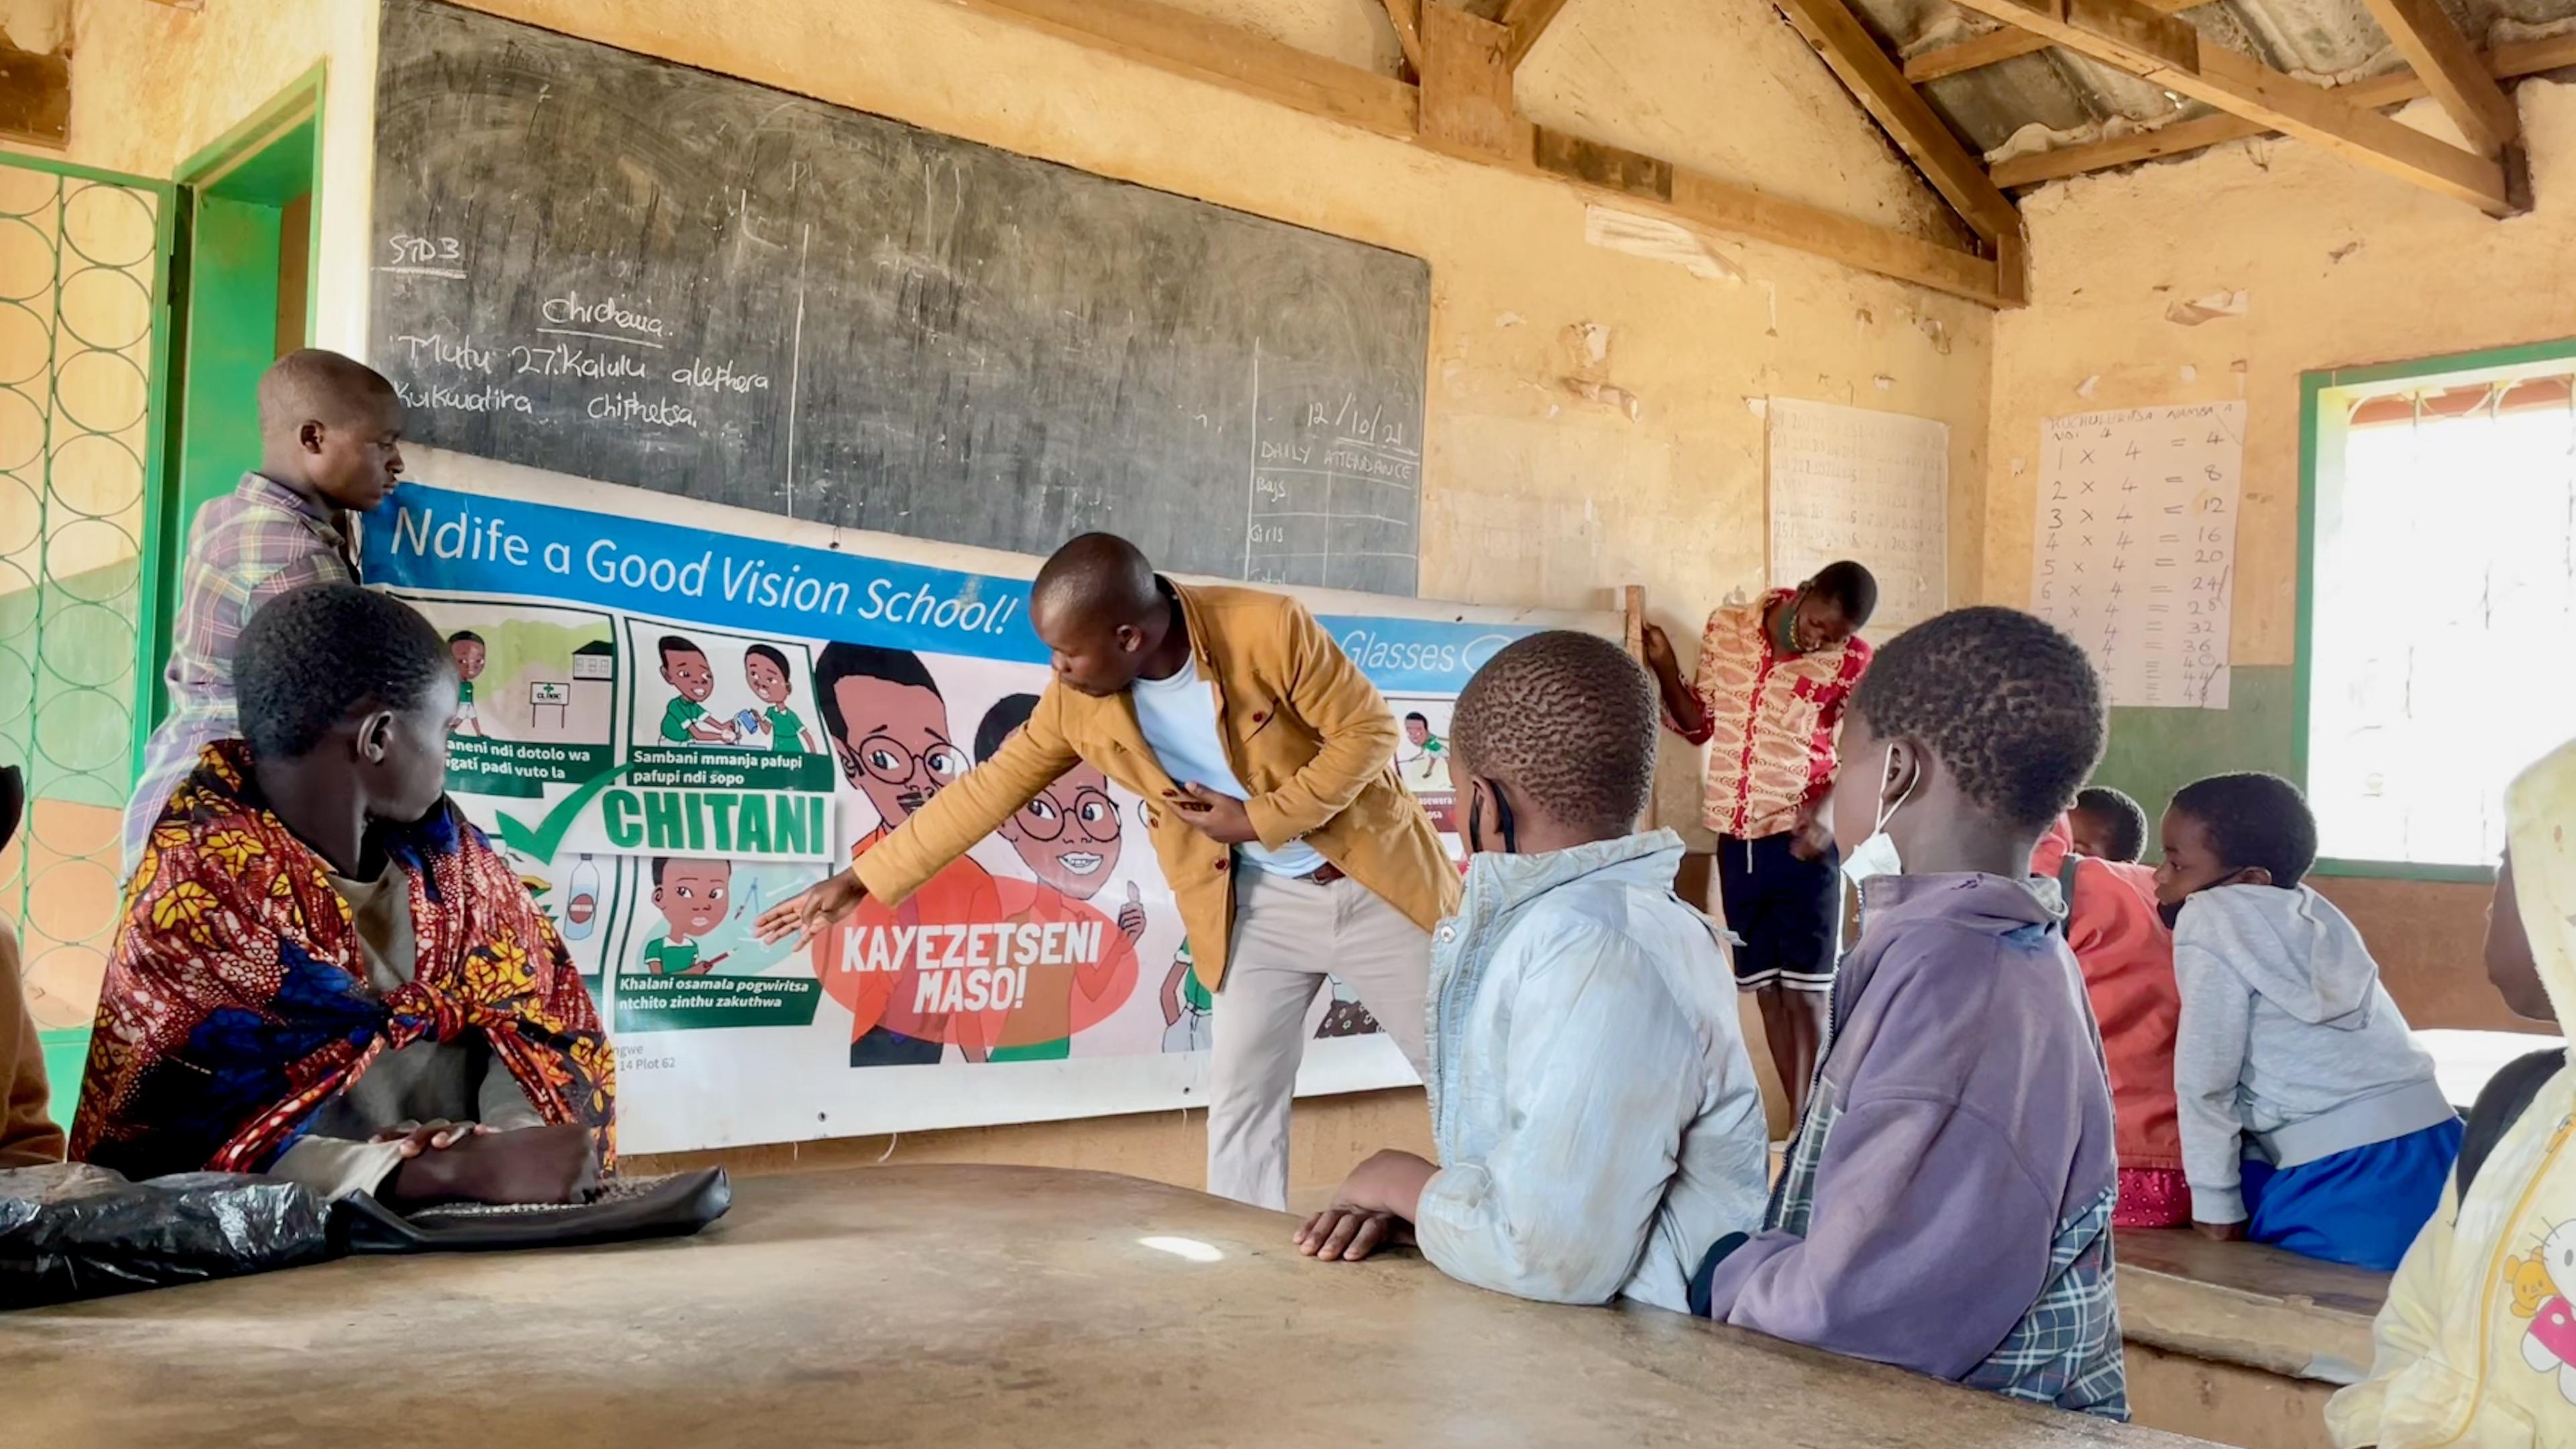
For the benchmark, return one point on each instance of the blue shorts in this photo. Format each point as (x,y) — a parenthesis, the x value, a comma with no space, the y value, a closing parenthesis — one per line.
(2363,1206)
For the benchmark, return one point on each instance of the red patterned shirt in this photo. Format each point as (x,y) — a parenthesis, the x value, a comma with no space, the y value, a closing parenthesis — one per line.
(1769,720)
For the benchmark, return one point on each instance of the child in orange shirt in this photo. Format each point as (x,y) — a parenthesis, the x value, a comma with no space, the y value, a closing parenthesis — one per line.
(2127,957)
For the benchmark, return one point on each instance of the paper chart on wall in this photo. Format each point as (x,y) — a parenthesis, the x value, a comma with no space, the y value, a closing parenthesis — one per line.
(1871,486)
(2133,546)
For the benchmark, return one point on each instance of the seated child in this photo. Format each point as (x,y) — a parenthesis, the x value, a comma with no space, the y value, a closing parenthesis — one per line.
(1598,1121)
(1946,1206)
(2310,1119)
(2108,825)
(2477,1343)
(325,971)
(330,445)
(2127,957)
(28,1136)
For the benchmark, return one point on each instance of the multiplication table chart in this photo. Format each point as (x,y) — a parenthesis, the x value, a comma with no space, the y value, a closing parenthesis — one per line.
(2133,546)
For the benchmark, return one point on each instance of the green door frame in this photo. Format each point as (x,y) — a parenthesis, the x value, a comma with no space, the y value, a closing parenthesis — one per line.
(2320,458)
(234,195)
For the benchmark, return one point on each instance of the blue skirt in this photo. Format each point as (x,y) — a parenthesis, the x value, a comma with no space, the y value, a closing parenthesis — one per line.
(2363,1206)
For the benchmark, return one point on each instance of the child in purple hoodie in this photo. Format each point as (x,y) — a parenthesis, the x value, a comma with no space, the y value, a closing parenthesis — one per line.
(1946,1206)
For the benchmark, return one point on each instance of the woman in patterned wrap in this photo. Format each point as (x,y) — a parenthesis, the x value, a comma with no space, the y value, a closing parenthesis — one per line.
(324,970)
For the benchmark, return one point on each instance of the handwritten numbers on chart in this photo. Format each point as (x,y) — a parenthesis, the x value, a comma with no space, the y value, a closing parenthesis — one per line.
(1853,483)
(2133,543)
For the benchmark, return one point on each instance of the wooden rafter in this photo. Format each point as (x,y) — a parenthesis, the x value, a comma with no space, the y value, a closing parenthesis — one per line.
(2167,52)
(2505,62)
(2450,68)
(1527,20)
(1873,79)
(1149,32)
(1996,46)
(1408,30)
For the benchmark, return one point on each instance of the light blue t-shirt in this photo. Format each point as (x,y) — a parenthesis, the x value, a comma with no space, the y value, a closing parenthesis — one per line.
(1178,716)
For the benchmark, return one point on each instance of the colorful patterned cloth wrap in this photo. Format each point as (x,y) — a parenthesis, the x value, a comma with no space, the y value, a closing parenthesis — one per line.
(236,1001)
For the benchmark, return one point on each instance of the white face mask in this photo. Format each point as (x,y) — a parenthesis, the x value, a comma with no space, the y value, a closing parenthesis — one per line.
(1877,856)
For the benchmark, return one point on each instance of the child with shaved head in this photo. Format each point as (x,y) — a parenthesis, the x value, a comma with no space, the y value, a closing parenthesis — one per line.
(330,438)
(1597,1119)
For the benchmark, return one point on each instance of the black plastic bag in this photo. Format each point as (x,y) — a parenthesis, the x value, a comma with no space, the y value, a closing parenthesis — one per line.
(70,1231)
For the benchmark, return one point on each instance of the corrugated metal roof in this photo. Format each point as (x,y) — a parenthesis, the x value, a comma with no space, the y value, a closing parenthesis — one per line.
(2068,98)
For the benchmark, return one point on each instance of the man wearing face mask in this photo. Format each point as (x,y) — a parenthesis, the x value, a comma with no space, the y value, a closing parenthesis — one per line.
(1276,814)
(1767,699)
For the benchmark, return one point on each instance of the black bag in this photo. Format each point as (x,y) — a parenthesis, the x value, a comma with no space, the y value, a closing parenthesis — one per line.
(629,1208)
(2507,1095)
(70,1231)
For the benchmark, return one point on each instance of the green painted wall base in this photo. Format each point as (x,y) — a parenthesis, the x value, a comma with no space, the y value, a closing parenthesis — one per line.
(66,1058)
(2154,752)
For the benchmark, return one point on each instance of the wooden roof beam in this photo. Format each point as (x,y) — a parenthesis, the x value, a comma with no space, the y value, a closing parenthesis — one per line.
(1403,15)
(2452,71)
(1996,46)
(2167,52)
(1873,79)
(2505,62)
(1527,20)
(1151,33)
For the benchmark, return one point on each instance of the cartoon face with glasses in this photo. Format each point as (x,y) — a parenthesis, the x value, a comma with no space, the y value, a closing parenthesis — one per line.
(889,727)
(1069,835)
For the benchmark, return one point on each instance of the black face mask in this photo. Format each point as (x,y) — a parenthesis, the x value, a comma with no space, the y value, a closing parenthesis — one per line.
(1502,819)
(2171,915)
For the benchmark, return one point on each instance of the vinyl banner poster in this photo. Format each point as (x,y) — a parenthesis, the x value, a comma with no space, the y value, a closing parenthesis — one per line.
(674,715)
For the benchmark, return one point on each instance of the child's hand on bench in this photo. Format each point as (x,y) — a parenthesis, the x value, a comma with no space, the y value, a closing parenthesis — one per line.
(2220,1232)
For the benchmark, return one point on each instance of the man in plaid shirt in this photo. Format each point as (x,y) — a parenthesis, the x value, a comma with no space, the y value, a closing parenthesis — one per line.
(331,434)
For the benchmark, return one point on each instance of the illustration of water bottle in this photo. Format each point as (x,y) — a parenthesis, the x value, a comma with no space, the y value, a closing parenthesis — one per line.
(581,906)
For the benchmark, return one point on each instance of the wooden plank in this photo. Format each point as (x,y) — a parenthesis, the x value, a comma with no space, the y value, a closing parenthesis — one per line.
(1408,31)
(1999,45)
(35,95)
(2128,35)
(1149,33)
(1633,179)
(1169,38)
(2441,55)
(1467,84)
(1873,79)
(1527,20)
(2506,62)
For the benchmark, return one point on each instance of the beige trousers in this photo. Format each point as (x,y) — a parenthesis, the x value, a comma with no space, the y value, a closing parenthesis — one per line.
(1289,935)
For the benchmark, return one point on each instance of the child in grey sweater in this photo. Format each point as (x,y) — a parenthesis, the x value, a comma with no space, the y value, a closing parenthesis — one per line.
(2310,1118)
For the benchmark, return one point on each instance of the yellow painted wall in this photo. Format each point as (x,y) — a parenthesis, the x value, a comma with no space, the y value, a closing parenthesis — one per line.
(2341,267)
(1588,418)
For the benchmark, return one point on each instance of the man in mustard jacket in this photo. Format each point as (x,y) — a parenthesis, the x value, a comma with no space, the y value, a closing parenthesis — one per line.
(1268,763)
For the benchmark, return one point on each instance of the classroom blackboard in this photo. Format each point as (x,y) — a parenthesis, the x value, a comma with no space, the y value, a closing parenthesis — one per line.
(603,264)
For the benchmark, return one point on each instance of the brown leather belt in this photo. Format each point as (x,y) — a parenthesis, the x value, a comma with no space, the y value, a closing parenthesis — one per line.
(1324,874)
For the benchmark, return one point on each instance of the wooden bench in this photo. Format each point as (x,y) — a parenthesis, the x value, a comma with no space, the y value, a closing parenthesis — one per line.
(2237,1342)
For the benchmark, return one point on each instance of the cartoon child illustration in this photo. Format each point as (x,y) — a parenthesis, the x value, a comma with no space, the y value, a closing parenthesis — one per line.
(2541,1284)
(693,896)
(1189,1008)
(470,652)
(686,721)
(1069,838)
(765,670)
(1424,761)
(888,727)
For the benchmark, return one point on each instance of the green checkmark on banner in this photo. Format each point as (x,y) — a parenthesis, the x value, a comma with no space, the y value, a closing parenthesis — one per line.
(538,842)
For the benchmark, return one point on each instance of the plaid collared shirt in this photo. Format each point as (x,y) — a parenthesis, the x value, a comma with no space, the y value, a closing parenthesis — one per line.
(262,540)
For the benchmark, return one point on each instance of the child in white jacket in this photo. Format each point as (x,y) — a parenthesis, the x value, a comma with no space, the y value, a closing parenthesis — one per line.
(2310,1118)
(1597,1119)
(2477,1345)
